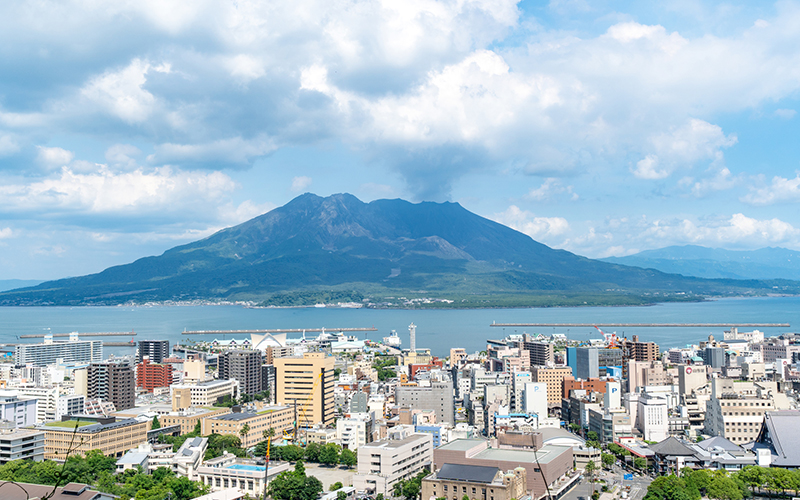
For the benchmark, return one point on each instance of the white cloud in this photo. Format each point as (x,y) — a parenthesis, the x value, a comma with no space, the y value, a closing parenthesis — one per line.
(550,188)
(122,92)
(544,228)
(648,168)
(161,191)
(721,180)
(234,150)
(123,156)
(8,145)
(779,190)
(6,232)
(786,114)
(52,158)
(300,183)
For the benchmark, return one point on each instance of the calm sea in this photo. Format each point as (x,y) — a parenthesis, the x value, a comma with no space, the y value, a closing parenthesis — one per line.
(437,329)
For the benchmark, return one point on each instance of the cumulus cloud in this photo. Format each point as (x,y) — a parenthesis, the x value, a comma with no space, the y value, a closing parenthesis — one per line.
(545,228)
(550,188)
(123,156)
(779,190)
(122,93)
(5,232)
(54,157)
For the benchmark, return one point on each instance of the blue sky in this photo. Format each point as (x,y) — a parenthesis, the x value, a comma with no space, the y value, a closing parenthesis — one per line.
(604,127)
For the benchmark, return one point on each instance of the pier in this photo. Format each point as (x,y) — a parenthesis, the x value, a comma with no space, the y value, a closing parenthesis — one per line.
(278,330)
(91,334)
(647,325)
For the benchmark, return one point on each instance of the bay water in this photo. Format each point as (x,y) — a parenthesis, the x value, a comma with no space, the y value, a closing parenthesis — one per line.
(437,329)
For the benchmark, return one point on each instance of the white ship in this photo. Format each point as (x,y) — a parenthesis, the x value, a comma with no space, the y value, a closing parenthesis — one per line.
(392,340)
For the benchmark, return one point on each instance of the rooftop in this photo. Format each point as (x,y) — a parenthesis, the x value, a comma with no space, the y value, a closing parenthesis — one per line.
(235,416)
(396,443)
(471,473)
(71,491)
(462,444)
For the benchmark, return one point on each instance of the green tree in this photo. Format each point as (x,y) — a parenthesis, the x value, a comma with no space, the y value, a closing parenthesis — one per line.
(639,462)
(244,430)
(312,452)
(336,486)
(590,468)
(156,423)
(607,459)
(348,458)
(592,436)
(670,487)
(295,485)
(465,497)
(329,455)
(341,496)
(723,488)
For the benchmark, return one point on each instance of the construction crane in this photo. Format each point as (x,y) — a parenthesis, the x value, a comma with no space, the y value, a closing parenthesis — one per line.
(303,408)
(611,338)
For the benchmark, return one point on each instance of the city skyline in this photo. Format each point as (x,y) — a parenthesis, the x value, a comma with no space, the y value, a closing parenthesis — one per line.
(600,128)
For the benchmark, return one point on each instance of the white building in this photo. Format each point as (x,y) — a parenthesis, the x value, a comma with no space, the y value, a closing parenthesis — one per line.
(50,351)
(207,393)
(353,430)
(736,409)
(19,410)
(21,444)
(535,399)
(383,463)
(652,417)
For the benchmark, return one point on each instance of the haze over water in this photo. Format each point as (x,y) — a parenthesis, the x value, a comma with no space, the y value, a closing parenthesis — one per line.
(437,329)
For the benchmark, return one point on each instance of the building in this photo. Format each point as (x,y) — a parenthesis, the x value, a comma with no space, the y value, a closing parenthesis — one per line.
(114,382)
(652,417)
(713,357)
(589,385)
(549,461)
(776,443)
(246,476)
(647,373)
(477,482)
(268,376)
(243,365)
(279,418)
(307,382)
(189,457)
(383,463)
(188,418)
(111,436)
(70,491)
(150,375)
(354,430)
(640,351)
(155,350)
(541,353)
(587,363)
(609,357)
(19,410)
(437,397)
(203,393)
(21,444)
(48,352)
(736,409)
(554,378)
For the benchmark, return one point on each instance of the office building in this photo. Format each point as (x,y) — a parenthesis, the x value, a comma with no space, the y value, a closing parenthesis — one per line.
(114,382)
(155,350)
(609,357)
(111,436)
(203,393)
(19,410)
(268,379)
(713,357)
(243,365)
(588,362)
(736,409)
(21,444)
(48,352)
(381,464)
(150,375)
(307,382)
(554,378)
(541,353)
(437,397)
(354,430)
(278,418)
(188,418)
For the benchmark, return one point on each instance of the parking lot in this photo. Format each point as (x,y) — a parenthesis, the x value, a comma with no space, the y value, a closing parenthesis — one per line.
(330,475)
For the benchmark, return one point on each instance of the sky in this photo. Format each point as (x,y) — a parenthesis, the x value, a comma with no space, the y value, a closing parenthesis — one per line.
(601,127)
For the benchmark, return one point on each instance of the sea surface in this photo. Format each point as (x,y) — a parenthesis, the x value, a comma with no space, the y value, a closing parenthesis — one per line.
(437,329)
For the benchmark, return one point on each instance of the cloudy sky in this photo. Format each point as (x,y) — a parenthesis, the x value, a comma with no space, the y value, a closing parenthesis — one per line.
(605,128)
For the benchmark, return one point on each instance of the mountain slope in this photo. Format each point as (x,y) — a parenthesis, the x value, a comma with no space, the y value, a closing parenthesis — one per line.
(385,246)
(692,260)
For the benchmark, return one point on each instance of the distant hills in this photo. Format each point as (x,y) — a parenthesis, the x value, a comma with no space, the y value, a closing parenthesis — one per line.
(314,247)
(691,260)
(12,284)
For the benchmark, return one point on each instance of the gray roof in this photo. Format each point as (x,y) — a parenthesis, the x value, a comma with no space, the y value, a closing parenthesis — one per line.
(235,416)
(719,442)
(672,446)
(783,433)
(471,473)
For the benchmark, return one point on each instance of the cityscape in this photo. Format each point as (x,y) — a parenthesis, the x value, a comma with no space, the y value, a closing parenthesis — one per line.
(532,416)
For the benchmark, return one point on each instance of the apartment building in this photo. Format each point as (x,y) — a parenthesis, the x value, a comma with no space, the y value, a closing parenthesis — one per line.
(541,353)
(73,350)
(114,382)
(155,350)
(307,382)
(647,373)
(19,410)
(554,378)
(736,409)
(188,418)
(383,463)
(243,365)
(150,375)
(279,418)
(111,436)
(640,351)
(354,430)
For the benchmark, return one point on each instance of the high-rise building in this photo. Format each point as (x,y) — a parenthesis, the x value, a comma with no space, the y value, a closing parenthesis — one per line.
(150,375)
(71,351)
(588,362)
(268,381)
(243,365)
(640,351)
(541,353)
(412,331)
(437,397)
(114,382)
(156,350)
(307,382)
(554,378)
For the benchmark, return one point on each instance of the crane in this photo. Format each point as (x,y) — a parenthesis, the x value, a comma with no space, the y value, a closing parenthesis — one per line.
(307,402)
(611,338)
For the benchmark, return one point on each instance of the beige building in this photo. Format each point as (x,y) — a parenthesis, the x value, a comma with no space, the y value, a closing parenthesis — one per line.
(554,378)
(476,482)
(202,393)
(320,435)
(111,436)
(194,370)
(280,418)
(188,418)
(383,463)
(736,409)
(306,382)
